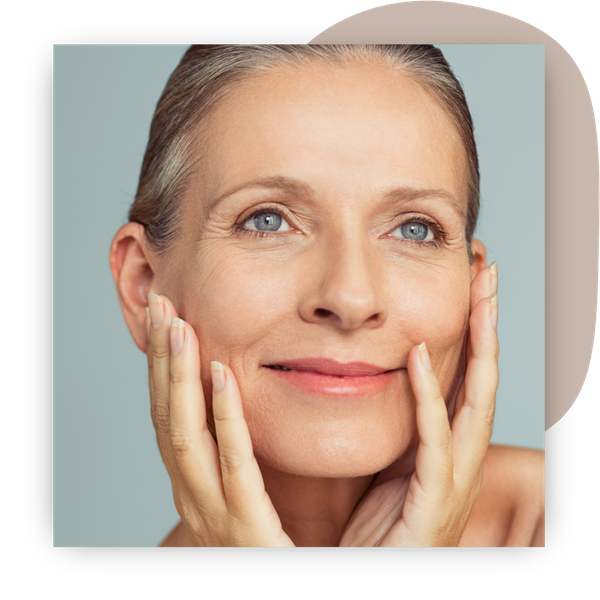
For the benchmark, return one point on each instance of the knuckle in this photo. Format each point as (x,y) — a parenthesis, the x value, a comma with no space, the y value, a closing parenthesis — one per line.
(160,416)
(177,377)
(223,419)
(231,462)
(180,442)
(160,352)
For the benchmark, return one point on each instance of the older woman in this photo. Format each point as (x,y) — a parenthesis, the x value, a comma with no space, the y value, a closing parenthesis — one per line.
(320,324)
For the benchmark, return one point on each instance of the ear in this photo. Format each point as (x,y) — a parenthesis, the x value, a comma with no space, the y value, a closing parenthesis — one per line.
(479,257)
(131,269)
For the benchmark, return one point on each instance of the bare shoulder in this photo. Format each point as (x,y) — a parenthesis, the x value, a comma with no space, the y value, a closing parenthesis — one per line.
(510,508)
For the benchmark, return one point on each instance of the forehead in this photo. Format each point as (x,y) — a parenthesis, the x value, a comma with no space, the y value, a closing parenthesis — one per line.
(347,131)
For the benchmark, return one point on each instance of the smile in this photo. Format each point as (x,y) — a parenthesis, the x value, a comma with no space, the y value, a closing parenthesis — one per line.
(327,376)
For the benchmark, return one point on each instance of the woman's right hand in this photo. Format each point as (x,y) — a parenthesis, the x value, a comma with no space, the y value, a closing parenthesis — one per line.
(218,489)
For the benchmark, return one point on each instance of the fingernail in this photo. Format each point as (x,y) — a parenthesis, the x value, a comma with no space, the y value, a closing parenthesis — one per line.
(176,335)
(494,310)
(424,354)
(218,376)
(494,277)
(148,321)
(157,310)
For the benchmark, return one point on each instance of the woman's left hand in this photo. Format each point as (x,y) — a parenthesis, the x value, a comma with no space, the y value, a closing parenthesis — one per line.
(428,502)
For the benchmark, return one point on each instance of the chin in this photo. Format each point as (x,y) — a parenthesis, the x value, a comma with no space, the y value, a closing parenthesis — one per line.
(341,466)
(332,454)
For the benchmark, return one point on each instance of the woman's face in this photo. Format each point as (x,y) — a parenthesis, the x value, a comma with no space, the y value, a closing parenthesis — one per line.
(322,238)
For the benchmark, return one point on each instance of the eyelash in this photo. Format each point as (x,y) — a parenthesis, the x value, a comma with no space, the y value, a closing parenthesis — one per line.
(435,228)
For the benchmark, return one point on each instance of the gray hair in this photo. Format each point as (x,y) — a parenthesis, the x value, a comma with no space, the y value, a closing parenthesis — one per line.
(207,72)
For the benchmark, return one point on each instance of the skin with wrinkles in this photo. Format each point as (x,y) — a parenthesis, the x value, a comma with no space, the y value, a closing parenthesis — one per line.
(411,294)
(347,156)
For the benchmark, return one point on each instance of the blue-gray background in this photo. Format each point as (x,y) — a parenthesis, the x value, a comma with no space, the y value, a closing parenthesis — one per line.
(110,486)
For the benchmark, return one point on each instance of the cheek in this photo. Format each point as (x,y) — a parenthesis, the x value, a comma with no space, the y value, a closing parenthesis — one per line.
(234,308)
(241,309)
(233,302)
(432,306)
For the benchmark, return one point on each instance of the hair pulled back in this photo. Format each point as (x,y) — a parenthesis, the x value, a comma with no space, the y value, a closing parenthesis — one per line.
(207,72)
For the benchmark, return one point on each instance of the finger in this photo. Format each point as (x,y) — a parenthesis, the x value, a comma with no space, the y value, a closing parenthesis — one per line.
(434,454)
(159,355)
(149,354)
(242,479)
(472,426)
(194,448)
(484,284)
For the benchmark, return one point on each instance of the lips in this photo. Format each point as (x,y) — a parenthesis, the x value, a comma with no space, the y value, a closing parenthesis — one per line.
(327,366)
(327,376)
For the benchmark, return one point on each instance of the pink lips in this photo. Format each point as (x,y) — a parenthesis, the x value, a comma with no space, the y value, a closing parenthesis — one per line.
(327,376)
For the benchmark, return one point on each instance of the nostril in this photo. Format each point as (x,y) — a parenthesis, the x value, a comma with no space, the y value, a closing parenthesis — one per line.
(323,313)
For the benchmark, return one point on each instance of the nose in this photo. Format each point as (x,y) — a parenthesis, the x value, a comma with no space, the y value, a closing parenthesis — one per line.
(345,287)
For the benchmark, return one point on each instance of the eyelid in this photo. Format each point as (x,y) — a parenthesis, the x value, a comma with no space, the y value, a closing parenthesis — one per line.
(410,217)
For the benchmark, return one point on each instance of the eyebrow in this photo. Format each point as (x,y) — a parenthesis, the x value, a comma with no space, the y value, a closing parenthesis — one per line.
(406,194)
(290,185)
(296,187)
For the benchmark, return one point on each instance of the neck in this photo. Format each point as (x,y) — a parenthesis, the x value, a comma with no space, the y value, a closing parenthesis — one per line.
(314,511)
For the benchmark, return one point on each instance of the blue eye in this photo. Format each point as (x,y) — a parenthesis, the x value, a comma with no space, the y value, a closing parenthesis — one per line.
(267,221)
(414,231)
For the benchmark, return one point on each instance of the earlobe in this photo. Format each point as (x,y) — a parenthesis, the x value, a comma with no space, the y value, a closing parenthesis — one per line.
(131,268)
(479,257)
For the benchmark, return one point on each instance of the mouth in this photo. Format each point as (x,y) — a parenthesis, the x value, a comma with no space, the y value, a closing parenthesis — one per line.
(328,366)
(327,376)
